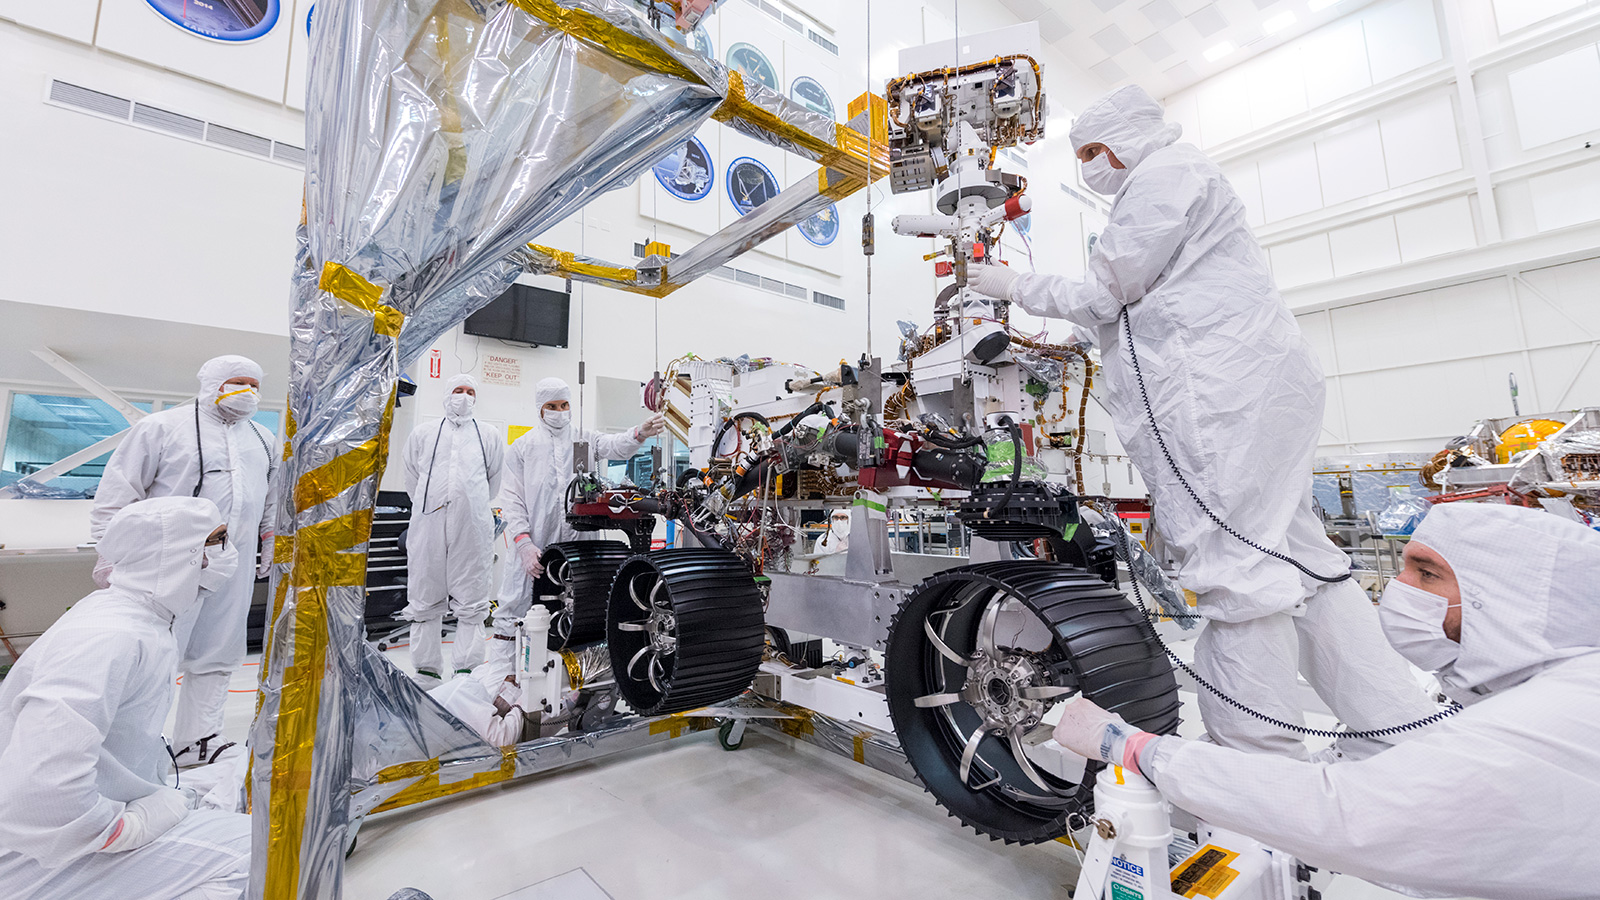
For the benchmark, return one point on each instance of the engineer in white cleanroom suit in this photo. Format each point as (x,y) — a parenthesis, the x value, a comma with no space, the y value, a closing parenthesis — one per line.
(207,448)
(1238,395)
(1497,801)
(533,501)
(452,475)
(85,810)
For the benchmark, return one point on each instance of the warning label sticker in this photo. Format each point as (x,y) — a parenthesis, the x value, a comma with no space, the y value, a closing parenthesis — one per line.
(1205,874)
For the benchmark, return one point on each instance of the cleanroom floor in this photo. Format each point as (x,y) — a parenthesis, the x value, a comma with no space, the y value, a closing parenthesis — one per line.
(689,820)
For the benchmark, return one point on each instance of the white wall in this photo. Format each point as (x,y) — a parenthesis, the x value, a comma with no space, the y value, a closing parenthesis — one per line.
(1416,170)
(108,217)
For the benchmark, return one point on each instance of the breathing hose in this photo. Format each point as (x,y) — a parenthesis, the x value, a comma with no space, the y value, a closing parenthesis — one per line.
(1138,595)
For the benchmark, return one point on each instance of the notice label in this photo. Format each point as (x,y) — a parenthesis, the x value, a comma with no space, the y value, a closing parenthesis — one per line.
(505,371)
(1206,873)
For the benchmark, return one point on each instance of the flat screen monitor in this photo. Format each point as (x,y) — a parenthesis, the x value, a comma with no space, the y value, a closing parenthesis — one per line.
(524,315)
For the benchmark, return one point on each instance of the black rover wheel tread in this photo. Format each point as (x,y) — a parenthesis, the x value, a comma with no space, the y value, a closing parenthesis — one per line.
(1105,649)
(720,630)
(590,567)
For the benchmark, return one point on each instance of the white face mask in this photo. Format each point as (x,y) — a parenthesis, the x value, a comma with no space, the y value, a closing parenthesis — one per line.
(556,421)
(237,401)
(1102,177)
(460,405)
(1413,621)
(840,527)
(220,564)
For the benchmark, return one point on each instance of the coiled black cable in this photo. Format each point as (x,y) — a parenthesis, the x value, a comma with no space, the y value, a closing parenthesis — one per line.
(1138,599)
(1193,494)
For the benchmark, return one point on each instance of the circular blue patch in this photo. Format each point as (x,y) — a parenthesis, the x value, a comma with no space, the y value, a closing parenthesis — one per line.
(686,173)
(750,184)
(822,228)
(752,63)
(808,93)
(230,21)
(309,13)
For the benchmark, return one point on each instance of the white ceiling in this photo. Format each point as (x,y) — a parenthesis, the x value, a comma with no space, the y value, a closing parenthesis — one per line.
(1161,44)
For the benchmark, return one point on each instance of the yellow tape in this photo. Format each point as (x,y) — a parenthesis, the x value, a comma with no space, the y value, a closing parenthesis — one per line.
(292,744)
(574,670)
(656,248)
(567,263)
(609,38)
(315,552)
(677,724)
(407,770)
(860,741)
(800,725)
(350,287)
(1206,873)
(336,476)
(429,787)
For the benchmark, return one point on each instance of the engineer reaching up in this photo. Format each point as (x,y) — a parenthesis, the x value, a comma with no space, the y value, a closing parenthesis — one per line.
(1237,394)
(533,501)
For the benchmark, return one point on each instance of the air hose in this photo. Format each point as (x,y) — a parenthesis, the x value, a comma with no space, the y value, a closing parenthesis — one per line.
(1138,599)
(1161,441)
(1138,595)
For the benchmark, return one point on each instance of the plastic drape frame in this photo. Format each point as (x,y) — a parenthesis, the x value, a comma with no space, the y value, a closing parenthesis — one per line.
(441,138)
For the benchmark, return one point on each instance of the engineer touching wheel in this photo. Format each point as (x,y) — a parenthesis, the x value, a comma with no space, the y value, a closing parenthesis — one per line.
(1218,399)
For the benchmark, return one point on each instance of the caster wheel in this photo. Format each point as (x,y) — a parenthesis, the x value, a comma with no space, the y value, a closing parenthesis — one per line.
(726,735)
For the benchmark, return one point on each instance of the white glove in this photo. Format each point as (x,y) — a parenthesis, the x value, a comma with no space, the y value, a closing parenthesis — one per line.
(1093,733)
(264,567)
(650,427)
(102,573)
(145,819)
(529,555)
(992,280)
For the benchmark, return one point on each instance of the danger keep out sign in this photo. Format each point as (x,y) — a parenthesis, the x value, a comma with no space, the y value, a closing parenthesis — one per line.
(505,371)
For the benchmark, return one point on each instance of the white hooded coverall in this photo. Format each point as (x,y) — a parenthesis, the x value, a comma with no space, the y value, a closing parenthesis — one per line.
(533,501)
(1238,395)
(80,731)
(161,457)
(1498,801)
(452,474)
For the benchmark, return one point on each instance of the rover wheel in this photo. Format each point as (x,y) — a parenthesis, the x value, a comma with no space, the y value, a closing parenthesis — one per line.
(978,655)
(575,586)
(685,629)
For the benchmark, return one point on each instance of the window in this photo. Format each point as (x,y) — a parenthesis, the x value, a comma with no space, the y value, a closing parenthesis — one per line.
(638,468)
(44,428)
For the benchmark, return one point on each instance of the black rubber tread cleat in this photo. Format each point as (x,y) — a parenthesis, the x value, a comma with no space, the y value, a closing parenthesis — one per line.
(1098,646)
(575,586)
(686,629)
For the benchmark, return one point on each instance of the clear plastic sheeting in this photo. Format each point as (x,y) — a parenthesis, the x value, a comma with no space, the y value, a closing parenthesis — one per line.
(442,137)
(1143,566)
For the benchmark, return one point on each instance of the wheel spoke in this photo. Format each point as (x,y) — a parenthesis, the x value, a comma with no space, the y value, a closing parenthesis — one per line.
(563,623)
(650,670)
(968,752)
(1047,692)
(633,594)
(656,590)
(946,652)
(636,657)
(630,626)
(986,628)
(930,701)
(1024,762)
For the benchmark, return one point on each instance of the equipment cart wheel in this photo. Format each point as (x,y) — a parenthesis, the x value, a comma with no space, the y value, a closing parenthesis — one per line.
(685,629)
(730,734)
(976,657)
(574,587)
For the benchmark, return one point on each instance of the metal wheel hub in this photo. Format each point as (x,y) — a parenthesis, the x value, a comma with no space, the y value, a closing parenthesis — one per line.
(997,688)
